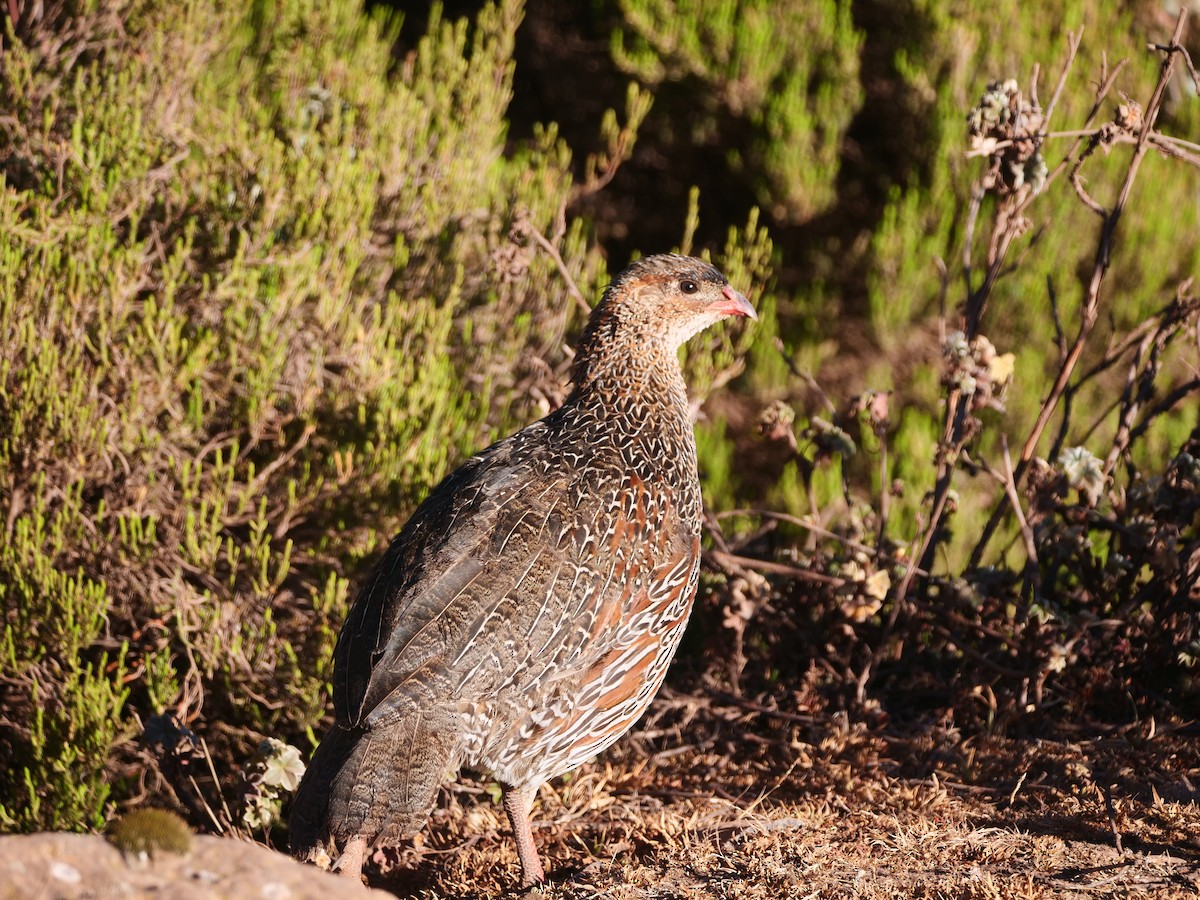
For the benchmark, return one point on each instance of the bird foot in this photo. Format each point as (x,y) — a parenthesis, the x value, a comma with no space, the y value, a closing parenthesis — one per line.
(350,863)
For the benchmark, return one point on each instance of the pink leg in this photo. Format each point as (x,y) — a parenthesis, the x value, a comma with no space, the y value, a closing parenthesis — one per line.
(350,863)
(517,803)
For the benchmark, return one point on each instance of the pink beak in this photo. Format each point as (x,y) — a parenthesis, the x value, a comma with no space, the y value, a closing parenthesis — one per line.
(734,304)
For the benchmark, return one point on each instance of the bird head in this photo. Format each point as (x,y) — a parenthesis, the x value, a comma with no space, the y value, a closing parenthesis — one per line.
(673,297)
(651,308)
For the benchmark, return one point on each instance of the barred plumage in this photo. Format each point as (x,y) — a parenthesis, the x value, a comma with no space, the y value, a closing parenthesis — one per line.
(525,616)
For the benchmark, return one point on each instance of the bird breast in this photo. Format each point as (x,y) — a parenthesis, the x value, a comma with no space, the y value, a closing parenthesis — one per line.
(616,593)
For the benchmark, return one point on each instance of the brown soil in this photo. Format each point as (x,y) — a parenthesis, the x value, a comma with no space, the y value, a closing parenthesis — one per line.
(715,798)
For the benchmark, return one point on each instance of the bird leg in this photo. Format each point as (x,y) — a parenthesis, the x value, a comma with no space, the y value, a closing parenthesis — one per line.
(517,803)
(350,863)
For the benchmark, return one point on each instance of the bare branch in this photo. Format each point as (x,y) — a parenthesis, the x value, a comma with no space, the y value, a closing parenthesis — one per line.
(572,287)
(1090,305)
(815,529)
(1169,401)
(1102,91)
(765,565)
(1073,41)
(1060,336)
(1104,250)
(1077,183)
(1010,488)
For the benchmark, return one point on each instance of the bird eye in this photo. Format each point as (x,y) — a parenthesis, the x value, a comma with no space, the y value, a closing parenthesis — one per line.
(688,286)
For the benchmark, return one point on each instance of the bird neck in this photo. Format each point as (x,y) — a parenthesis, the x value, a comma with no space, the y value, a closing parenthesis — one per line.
(632,396)
(644,376)
(619,356)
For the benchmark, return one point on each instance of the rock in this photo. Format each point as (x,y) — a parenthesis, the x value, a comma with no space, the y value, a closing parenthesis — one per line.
(68,866)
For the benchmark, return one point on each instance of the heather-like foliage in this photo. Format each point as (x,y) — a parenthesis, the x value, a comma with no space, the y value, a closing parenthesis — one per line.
(787,72)
(261,286)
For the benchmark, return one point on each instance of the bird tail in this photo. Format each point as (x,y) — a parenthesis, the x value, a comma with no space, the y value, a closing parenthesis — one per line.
(378,783)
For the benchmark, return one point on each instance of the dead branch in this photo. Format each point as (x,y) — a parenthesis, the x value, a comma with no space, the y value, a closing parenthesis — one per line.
(1090,306)
(1104,249)
(552,251)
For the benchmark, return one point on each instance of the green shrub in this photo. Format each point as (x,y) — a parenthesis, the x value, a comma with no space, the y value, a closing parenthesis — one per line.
(262,286)
(786,74)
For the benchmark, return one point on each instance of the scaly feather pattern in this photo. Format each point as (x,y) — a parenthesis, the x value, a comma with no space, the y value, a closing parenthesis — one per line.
(525,616)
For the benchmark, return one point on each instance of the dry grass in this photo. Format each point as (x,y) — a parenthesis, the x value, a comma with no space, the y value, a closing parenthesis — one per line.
(733,803)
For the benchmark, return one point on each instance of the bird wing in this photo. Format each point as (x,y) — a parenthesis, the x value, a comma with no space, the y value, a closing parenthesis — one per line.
(443,604)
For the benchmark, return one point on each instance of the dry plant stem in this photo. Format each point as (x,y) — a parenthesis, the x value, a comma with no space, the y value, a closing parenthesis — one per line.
(212,771)
(572,287)
(751,706)
(1142,337)
(1129,401)
(986,661)
(807,378)
(884,487)
(1187,60)
(1077,180)
(1092,295)
(961,621)
(1005,230)
(1174,147)
(951,447)
(712,525)
(1074,39)
(1108,79)
(1165,142)
(814,528)
(977,194)
(1167,402)
(1104,252)
(1117,352)
(1112,817)
(1010,487)
(733,561)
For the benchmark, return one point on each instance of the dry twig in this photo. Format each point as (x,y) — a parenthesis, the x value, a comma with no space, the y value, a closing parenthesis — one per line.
(1091,300)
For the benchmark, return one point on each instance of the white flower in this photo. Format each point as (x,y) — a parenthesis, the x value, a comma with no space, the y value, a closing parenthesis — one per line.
(283,766)
(877,584)
(1083,471)
(1059,657)
(956,346)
